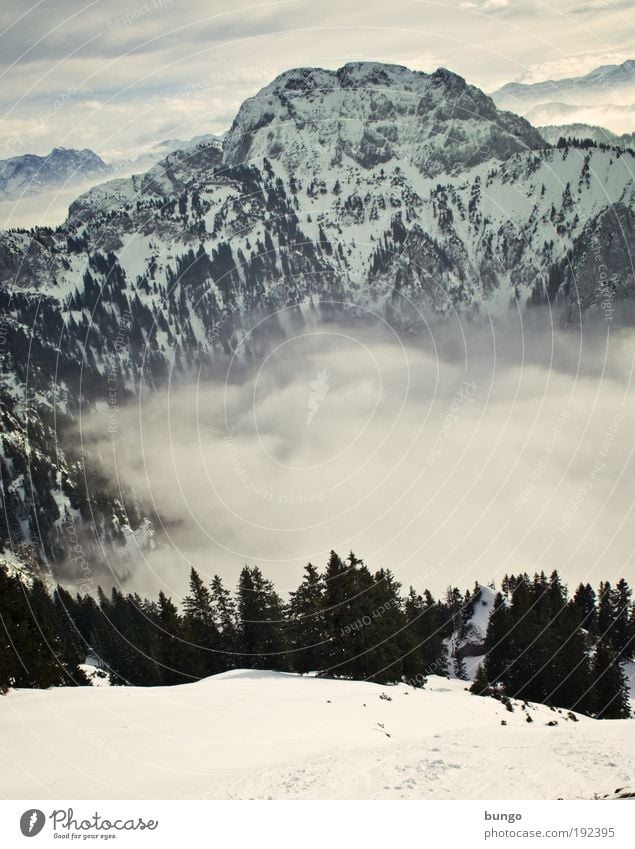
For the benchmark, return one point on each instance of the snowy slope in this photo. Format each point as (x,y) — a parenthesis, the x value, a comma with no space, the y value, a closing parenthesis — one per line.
(249,734)
(469,640)
(476,628)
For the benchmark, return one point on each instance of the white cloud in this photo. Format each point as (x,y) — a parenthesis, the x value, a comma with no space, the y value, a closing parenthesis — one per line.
(618,119)
(439,473)
(570,66)
(485,5)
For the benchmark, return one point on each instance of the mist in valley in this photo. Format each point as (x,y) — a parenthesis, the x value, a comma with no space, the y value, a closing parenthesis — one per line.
(474,451)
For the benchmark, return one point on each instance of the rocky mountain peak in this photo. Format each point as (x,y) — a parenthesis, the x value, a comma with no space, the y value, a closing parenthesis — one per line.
(367,113)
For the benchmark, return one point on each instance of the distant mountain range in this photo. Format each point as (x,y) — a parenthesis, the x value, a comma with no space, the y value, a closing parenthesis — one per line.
(608,83)
(30,174)
(27,175)
(605,97)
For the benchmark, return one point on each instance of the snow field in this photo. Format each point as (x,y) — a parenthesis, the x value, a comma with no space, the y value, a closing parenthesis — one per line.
(256,734)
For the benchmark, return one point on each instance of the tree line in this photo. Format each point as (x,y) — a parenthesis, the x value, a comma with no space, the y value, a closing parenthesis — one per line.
(541,645)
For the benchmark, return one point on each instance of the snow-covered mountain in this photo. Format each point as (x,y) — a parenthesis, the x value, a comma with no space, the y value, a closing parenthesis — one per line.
(408,195)
(30,174)
(261,735)
(605,96)
(37,190)
(366,114)
(608,83)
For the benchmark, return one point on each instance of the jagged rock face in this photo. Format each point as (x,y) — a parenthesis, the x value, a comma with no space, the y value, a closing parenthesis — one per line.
(368,114)
(600,272)
(408,195)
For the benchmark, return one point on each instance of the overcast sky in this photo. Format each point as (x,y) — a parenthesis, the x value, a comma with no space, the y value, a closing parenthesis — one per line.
(115,75)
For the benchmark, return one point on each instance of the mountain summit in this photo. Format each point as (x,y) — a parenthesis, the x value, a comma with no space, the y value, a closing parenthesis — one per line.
(367,113)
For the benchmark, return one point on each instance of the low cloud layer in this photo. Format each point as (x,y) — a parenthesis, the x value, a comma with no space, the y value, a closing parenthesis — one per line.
(479,452)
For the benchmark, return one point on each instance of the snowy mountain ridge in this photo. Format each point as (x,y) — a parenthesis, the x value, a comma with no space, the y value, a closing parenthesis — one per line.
(67,169)
(369,191)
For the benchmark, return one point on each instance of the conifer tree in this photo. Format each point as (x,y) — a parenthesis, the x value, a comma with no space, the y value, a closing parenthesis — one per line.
(340,611)
(606,611)
(481,685)
(197,605)
(387,629)
(61,640)
(29,646)
(307,625)
(568,672)
(609,693)
(454,610)
(630,651)
(498,651)
(426,653)
(200,628)
(226,619)
(360,616)
(74,645)
(172,652)
(584,605)
(458,663)
(621,637)
(262,623)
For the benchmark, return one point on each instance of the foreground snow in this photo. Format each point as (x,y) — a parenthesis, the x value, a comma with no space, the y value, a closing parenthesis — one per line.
(247,734)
